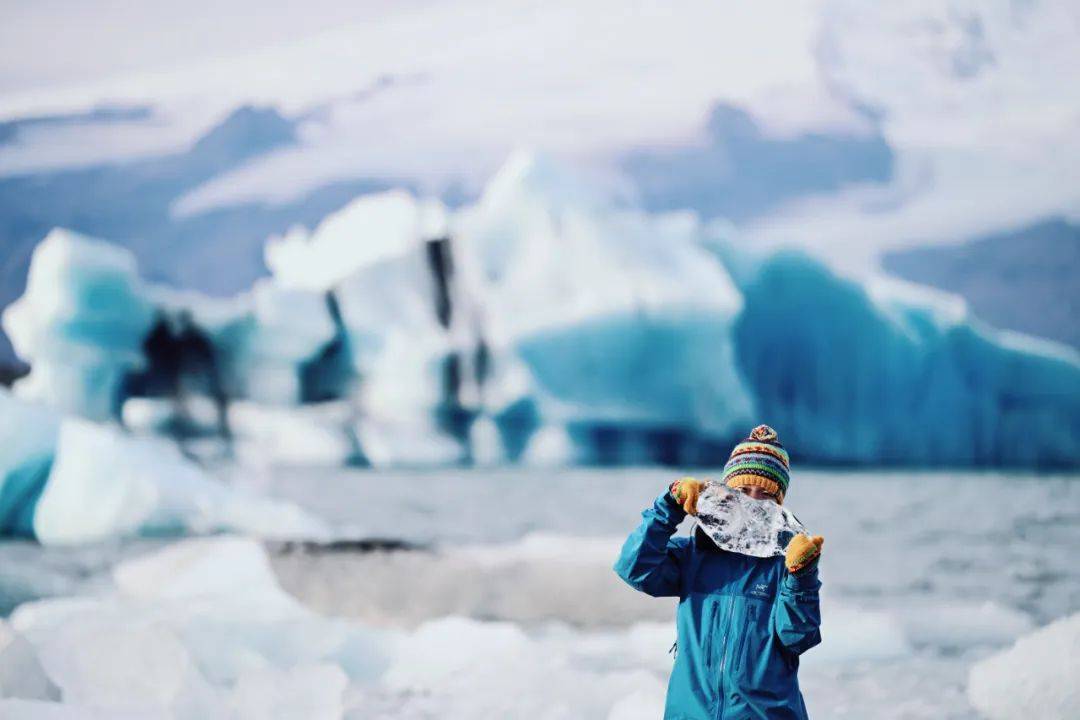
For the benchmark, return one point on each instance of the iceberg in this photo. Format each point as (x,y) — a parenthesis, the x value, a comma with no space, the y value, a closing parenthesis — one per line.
(310,434)
(106,484)
(21,674)
(741,524)
(95,334)
(409,328)
(199,629)
(874,370)
(623,320)
(370,229)
(263,350)
(544,324)
(28,431)
(1036,677)
(313,692)
(80,324)
(68,480)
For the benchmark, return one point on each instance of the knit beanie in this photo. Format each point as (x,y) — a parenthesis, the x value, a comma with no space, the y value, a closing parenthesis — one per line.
(759,460)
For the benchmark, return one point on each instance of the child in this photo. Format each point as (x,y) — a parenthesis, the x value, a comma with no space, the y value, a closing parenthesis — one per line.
(742,621)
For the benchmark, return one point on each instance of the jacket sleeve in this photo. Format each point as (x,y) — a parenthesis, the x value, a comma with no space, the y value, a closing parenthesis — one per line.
(797,614)
(650,560)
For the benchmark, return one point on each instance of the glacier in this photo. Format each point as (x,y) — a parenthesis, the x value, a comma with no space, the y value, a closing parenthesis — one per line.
(546,323)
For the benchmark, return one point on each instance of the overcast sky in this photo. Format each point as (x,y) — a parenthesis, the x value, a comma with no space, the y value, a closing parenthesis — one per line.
(56,43)
(978,98)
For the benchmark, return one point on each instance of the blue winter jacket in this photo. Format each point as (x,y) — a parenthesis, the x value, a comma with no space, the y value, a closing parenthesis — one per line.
(742,621)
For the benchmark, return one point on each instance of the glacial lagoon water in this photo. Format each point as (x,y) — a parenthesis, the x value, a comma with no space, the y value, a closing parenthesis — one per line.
(924,573)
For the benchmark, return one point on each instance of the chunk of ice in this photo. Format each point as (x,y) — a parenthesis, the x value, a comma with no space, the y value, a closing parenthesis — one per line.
(80,323)
(1035,678)
(106,484)
(314,692)
(741,524)
(21,674)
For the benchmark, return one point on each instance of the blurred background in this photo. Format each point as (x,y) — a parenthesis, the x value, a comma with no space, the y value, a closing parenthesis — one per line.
(343,344)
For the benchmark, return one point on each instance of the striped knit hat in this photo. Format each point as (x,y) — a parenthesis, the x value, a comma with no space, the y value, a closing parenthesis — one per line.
(759,460)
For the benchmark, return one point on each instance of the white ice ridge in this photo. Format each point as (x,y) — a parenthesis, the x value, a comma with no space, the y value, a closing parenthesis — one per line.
(741,524)
(1035,678)
(201,630)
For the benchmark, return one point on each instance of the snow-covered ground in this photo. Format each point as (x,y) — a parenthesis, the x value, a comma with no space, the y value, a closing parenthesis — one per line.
(506,605)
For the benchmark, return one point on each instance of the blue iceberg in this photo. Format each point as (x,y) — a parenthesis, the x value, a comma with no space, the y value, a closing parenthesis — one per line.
(886,372)
(80,324)
(545,323)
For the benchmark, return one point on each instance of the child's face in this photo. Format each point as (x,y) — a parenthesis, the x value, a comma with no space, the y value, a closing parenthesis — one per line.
(757,493)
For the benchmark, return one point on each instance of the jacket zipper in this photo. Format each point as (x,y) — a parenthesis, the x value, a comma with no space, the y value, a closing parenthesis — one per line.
(711,623)
(723,659)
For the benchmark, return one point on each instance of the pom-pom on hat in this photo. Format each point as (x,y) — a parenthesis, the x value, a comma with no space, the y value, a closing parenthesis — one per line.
(759,460)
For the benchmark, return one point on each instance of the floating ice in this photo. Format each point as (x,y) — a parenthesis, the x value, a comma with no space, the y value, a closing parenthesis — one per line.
(311,434)
(410,327)
(105,484)
(741,524)
(877,371)
(582,331)
(262,351)
(79,324)
(27,438)
(622,318)
(370,229)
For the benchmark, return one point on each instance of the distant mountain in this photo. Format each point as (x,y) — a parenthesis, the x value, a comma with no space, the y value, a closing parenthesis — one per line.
(740,172)
(218,252)
(1026,279)
(743,173)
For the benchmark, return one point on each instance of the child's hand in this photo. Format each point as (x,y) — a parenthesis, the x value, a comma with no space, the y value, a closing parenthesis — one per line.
(802,552)
(686,492)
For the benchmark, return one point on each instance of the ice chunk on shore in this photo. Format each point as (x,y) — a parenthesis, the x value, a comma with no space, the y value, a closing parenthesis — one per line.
(313,692)
(40,710)
(1036,678)
(21,674)
(741,524)
(80,323)
(144,667)
(199,567)
(200,629)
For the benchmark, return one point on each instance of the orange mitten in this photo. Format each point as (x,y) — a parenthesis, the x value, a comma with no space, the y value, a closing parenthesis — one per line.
(686,492)
(802,552)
